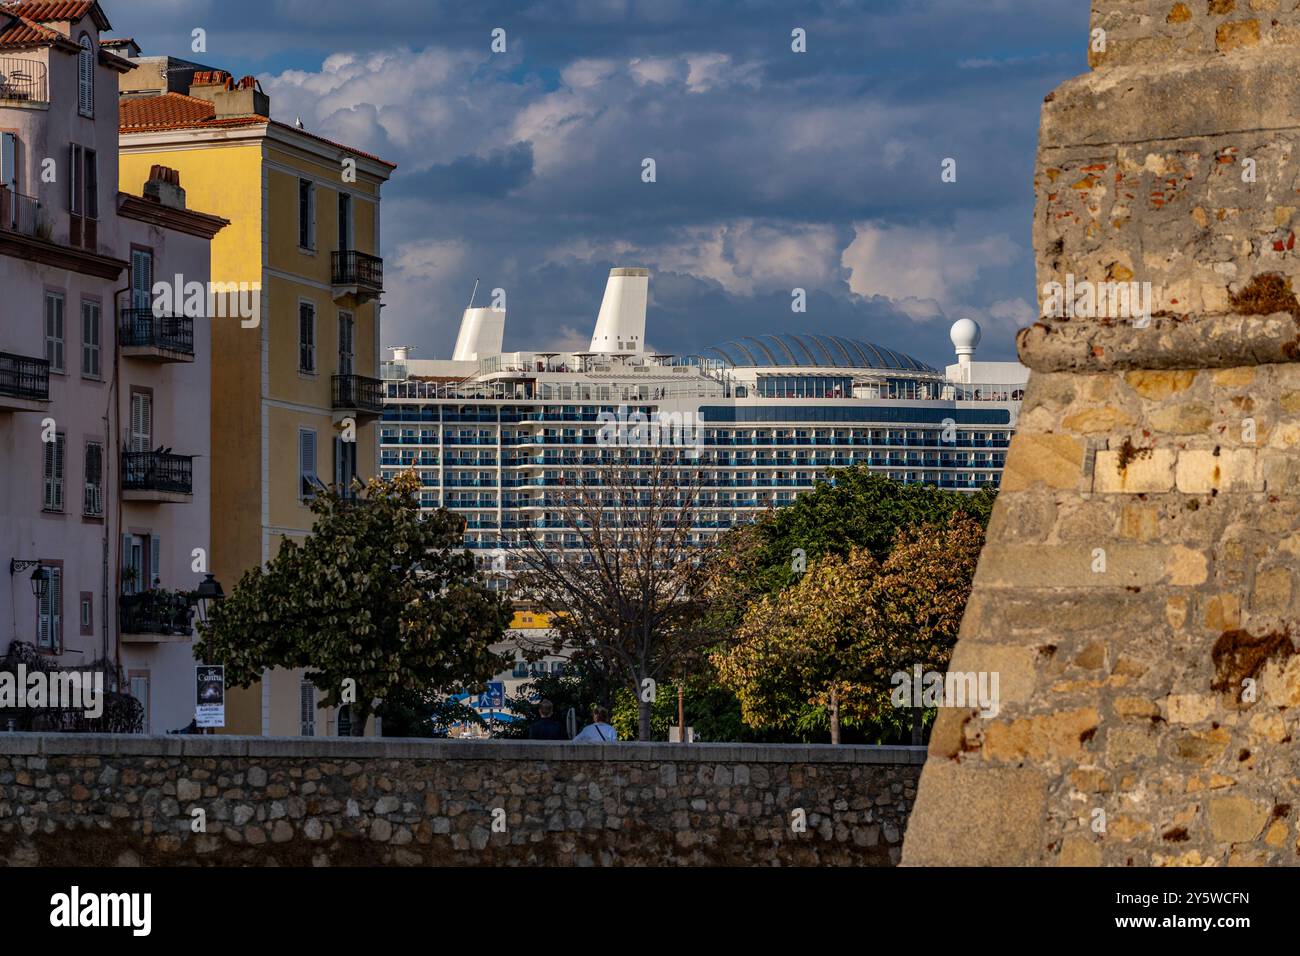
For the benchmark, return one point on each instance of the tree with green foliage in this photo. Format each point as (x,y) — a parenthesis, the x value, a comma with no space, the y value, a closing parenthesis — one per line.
(835,638)
(853,509)
(378,598)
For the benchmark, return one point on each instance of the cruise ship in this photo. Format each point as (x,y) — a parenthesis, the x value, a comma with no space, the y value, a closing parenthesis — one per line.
(490,431)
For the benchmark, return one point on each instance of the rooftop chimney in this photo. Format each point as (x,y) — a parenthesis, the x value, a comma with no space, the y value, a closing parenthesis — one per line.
(228,98)
(164,186)
(620,326)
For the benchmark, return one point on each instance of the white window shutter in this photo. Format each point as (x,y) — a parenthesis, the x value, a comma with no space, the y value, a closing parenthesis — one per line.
(44,615)
(86,78)
(55,590)
(60,448)
(307,461)
(9,161)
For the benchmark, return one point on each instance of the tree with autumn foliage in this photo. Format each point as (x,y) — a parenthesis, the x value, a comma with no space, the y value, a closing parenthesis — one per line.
(834,639)
(377,594)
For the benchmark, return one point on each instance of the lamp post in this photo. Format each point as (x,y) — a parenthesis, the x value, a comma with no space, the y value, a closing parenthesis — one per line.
(40,577)
(206,596)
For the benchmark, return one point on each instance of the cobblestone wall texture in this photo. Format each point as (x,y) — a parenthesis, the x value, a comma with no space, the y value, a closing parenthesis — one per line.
(1138,592)
(127,800)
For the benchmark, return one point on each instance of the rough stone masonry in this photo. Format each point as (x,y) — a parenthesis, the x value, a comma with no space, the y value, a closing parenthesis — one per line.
(106,799)
(1138,592)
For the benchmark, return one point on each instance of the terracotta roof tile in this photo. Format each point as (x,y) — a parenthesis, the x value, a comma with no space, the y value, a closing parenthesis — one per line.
(19,33)
(174,111)
(46,11)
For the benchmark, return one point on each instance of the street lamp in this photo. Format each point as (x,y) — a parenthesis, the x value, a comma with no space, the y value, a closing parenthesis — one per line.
(40,577)
(206,596)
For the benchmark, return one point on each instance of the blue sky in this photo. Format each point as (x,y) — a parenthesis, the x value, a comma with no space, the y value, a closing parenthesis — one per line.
(775,169)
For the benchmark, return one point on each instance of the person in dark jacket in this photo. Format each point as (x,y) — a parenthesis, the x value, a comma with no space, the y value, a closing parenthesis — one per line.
(546,727)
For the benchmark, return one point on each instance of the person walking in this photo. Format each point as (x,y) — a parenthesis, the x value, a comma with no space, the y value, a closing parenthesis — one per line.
(599,730)
(546,727)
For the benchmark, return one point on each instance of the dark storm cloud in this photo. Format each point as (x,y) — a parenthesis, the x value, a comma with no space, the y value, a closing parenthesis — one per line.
(775,170)
(471,177)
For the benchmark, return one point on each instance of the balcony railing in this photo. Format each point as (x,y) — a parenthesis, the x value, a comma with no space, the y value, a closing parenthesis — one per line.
(358,269)
(155,612)
(23,80)
(157,471)
(357,392)
(19,213)
(23,377)
(140,328)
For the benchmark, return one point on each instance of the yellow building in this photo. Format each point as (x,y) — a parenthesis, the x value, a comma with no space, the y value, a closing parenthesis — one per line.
(295,356)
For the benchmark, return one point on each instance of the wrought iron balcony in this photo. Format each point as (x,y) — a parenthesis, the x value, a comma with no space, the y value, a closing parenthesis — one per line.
(157,476)
(357,393)
(165,338)
(20,213)
(23,81)
(357,272)
(156,613)
(24,382)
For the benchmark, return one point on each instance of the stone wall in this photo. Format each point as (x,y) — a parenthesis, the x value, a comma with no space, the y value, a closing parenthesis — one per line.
(98,800)
(1138,591)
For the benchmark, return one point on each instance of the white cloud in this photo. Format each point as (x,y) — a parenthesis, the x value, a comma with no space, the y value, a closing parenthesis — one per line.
(583,74)
(743,256)
(914,264)
(655,69)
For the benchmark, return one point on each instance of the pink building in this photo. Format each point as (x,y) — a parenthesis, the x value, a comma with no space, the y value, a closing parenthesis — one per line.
(104,404)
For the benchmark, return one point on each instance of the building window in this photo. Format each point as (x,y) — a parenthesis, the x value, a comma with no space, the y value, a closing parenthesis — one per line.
(345,720)
(93,502)
(91,366)
(49,628)
(87,604)
(308,480)
(345,464)
(307,705)
(306,214)
(141,278)
(521,669)
(141,421)
(141,562)
(54,330)
(140,691)
(345,222)
(347,336)
(83,196)
(306,337)
(55,453)
(86,78)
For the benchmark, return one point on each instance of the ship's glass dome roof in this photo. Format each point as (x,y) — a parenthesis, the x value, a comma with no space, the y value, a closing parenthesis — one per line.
(805,350)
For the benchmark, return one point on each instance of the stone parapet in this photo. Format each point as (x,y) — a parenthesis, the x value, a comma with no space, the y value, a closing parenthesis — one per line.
(83,799)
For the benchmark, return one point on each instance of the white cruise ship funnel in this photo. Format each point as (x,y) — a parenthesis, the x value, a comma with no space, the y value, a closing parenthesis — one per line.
(620,327)
(482,331)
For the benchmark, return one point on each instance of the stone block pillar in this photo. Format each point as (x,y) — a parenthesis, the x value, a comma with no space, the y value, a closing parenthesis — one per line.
(1139,591)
